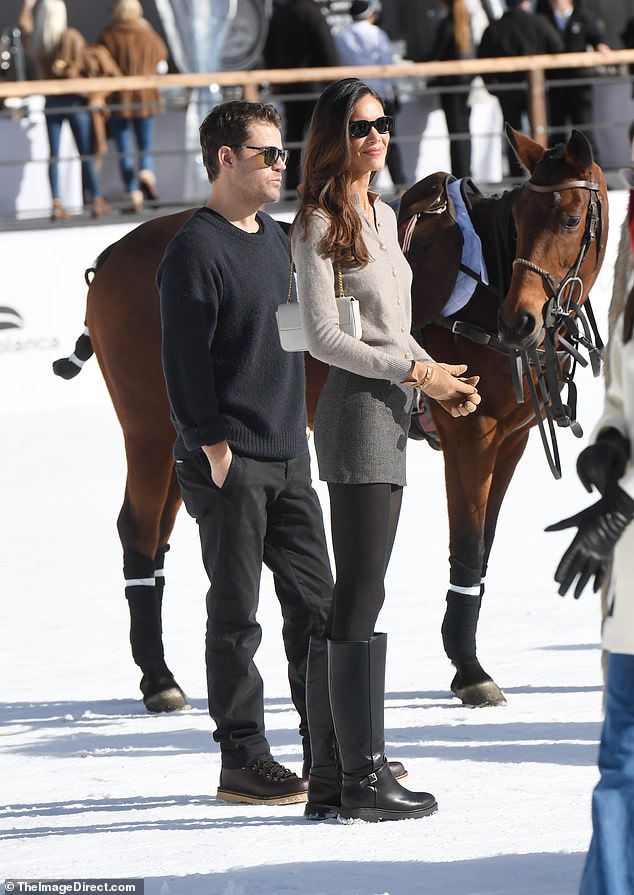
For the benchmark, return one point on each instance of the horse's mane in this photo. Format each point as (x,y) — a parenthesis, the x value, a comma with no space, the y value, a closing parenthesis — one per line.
(499,254)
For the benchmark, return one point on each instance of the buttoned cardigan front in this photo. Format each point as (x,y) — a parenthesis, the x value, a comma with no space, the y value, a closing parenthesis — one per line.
(386,349)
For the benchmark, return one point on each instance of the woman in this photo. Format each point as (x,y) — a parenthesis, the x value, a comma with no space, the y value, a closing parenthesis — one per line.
(60,53)
(137,50)
(361,429)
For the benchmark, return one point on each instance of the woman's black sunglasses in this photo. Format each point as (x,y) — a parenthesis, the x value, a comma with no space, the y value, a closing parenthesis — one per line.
(270,154)
(383,125)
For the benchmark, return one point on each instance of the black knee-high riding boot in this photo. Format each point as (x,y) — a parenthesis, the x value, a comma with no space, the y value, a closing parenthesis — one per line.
(323,768)
(324,776)
(356,677)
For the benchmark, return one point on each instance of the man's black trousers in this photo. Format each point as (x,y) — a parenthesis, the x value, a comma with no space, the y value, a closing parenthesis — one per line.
(265,512)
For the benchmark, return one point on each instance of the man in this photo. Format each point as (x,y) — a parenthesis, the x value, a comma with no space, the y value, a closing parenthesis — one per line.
(572,104)
(299,37)
(519,32)
(237,402)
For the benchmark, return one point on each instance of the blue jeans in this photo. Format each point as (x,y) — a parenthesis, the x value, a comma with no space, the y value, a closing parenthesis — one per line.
(119,130)
(73,109)
(609,868)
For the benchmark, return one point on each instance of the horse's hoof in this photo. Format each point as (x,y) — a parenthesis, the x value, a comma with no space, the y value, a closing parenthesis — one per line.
(160,691)
(473,686)
(485,694)
(171,700)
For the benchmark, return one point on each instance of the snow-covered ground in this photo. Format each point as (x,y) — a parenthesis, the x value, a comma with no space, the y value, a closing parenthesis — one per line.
(94,787)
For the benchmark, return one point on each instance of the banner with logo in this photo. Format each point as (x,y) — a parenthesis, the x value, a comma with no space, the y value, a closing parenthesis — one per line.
(42,309)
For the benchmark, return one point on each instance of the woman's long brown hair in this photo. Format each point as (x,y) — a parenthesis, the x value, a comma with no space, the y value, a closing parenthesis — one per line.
(326,184)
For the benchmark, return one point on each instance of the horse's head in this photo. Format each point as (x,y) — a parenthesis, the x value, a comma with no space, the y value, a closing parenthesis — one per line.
(562,225)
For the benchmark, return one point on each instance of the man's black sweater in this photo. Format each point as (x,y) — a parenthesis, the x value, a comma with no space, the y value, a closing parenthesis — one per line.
(227,376)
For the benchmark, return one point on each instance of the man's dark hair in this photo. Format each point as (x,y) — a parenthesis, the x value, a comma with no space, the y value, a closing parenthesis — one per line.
(228,125)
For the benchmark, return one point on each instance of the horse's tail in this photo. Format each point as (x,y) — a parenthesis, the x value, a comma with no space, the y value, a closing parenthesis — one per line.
(69,367)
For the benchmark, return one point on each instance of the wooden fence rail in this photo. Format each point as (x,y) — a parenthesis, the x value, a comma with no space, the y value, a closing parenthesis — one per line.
(251,82)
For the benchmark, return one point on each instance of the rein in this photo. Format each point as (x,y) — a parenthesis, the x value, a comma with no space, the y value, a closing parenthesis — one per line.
(566,327)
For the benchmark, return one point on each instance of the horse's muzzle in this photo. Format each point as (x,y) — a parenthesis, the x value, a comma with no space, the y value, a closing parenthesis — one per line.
(523,333)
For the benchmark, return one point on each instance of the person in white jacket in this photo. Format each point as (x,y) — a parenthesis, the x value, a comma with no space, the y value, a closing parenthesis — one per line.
(605,528)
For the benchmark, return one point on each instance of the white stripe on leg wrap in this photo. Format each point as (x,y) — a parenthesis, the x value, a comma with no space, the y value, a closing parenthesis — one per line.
(468,591)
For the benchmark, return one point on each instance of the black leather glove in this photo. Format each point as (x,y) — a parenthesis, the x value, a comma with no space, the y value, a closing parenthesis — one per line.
(603,462)
(600,527)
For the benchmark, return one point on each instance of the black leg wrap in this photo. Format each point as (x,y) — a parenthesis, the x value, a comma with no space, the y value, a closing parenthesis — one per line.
(160,691)
(145,619)
(462,575)
(471,683)
(159,579)
(460,624)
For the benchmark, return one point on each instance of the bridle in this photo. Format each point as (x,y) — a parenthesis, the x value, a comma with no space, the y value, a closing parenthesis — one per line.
(593,232)
(567,326)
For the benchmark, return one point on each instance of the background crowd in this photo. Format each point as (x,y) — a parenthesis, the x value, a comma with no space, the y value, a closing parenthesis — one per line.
(304,34)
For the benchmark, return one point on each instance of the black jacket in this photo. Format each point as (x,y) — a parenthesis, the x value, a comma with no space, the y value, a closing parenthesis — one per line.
(445,49)
(299,37)
(518,33)
(584,29)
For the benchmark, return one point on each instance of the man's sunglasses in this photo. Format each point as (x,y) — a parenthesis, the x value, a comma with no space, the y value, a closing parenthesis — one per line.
(270,154)
(358,129)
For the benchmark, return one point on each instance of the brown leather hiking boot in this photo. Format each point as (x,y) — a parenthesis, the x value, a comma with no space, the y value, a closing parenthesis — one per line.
(263,782)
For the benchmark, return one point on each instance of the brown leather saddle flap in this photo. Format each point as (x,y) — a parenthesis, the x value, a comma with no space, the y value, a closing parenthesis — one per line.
(428,196)
(433,245)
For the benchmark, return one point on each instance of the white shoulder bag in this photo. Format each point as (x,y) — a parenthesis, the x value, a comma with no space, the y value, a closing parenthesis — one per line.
(289,321)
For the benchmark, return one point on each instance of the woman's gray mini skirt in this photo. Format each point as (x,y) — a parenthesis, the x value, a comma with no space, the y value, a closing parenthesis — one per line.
(361,428)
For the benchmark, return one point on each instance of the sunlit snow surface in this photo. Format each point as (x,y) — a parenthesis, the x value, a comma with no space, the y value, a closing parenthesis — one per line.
(93,786)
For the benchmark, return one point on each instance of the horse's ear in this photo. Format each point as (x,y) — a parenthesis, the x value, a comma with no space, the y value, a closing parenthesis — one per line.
(579,149)
(529,153)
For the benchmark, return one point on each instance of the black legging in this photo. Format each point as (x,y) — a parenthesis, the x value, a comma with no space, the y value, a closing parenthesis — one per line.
(363,519)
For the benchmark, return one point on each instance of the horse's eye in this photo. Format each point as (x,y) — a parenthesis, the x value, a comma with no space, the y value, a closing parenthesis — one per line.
(571,222)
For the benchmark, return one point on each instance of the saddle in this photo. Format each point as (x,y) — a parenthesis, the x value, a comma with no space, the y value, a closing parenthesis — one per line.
(432,239)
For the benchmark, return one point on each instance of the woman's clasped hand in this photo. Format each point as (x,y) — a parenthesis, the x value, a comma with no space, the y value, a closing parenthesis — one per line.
(445,383)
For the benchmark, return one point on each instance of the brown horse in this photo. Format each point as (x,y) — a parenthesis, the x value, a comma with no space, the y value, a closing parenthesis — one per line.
(543,244)
(549,215)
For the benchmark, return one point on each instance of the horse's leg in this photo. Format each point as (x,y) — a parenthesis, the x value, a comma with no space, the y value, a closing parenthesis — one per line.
(149,508)
(469,469)
(508,456)
(168,518)
(472,683)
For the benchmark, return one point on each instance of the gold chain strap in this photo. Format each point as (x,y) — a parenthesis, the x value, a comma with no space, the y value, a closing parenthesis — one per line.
(289,297)
(339,281)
